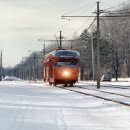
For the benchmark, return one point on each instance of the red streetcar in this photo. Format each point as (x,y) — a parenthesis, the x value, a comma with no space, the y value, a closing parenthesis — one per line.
(61,67)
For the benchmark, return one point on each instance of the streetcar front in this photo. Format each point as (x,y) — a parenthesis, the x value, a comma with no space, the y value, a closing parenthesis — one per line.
(66,70)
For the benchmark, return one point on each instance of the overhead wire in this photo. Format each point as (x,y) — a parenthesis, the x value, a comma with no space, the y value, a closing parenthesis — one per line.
(106,9)
(89,18)
(64,25)
(117,5)
(117,12)
(78,8)
(82,27)
(124,11)
(90,25)
(90,6)
(85,24)
(87,9)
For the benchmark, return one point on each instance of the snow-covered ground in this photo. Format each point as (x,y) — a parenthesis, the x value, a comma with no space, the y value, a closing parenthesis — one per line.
(38,106)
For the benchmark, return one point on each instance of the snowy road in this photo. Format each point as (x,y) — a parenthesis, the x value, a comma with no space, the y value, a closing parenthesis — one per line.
(28,106)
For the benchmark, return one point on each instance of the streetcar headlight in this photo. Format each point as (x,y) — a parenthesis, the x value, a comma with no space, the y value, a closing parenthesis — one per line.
(66,73)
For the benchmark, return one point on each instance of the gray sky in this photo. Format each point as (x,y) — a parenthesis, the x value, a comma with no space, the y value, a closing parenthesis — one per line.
(23,22)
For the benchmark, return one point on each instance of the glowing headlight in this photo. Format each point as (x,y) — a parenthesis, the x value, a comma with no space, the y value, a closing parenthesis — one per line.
(66,73)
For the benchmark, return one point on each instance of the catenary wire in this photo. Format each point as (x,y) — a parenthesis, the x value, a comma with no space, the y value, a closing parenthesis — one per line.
(79,8)
(118,5)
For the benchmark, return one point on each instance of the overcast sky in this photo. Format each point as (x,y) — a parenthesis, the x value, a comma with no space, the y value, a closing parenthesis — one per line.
(23,22)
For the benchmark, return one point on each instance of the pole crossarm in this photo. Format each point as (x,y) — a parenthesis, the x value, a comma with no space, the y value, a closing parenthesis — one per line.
(75,16)
(95,16)
(56,40)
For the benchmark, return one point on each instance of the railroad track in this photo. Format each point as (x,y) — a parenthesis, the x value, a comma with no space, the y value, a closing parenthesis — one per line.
(114,86)
(108,96)
(104,91)
(111,86)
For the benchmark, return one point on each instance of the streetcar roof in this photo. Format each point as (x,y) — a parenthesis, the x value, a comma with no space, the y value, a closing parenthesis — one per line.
(65,53)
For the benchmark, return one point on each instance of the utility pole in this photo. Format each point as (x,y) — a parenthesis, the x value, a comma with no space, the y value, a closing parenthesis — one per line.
(21,70)
(60,40)
(71,46)
(98,35)
(93,64)
(98,44)
(98,48)
(44,50)
(34,67)
(44,53)
(1,66)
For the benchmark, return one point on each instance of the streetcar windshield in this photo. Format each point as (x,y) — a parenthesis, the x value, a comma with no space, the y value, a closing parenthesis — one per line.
(66,53)
(72,63)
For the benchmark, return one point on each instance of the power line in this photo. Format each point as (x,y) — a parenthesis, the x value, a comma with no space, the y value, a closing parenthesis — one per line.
(118,5)
(98,43)
(85,24)
(116,11)
(90,25)
(64,25)
(121,15)
(79,8)
(100,16)
(87,9)
(98,12)
(82,27)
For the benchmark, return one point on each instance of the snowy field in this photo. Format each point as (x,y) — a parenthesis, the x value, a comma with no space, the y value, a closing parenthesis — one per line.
(38,106)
